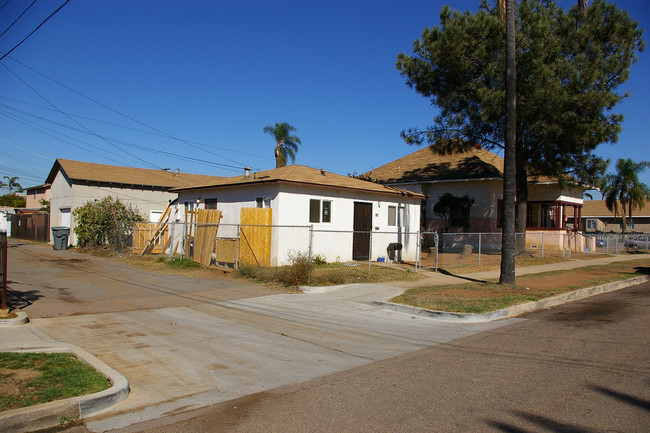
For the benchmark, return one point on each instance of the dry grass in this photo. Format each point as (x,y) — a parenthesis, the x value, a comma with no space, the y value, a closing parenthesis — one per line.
(480,297)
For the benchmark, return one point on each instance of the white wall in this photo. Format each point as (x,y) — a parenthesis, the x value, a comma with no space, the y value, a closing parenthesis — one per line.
(290,216)
(65,195)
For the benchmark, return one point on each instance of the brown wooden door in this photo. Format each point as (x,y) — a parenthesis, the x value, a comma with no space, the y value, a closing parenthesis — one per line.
(362,224)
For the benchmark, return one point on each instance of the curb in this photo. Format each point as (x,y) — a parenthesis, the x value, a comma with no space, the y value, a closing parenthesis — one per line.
(16,321)
(55,413)
(515,310)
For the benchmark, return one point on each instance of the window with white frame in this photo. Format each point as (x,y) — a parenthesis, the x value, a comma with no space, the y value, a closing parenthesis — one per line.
(392,216)
(320,211)
(263,202)
(591,224)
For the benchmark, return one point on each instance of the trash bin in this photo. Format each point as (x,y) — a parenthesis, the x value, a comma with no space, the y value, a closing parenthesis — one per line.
(60,236)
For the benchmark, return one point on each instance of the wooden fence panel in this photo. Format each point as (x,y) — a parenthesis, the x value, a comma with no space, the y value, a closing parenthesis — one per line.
(144,233)
(255,237)
(33,227)
(205,235)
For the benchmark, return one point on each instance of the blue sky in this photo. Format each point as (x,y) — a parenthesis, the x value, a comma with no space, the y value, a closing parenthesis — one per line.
(199,80)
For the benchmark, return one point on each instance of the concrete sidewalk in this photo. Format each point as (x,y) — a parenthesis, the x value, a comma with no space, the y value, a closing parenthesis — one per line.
(185,357)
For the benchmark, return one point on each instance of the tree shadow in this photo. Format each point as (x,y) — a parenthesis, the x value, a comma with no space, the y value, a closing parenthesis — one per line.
(444,272)
(18,299)
(643,270)
(541,421)
(625,398)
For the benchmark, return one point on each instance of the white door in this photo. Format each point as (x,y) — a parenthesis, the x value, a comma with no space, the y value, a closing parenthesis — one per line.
(65,217)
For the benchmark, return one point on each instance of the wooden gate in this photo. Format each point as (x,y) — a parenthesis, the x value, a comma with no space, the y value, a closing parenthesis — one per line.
(205,235)
(255,237)
(151,237)
(33,227)
(361,225)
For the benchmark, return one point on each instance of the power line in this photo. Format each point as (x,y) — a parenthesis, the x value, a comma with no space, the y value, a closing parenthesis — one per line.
(19,17)
(84,127)
(190,143)
(34,31)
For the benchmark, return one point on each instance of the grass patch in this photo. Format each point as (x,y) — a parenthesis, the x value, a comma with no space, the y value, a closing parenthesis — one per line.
(482,297)
(180,263)
(27,379)
(326,274)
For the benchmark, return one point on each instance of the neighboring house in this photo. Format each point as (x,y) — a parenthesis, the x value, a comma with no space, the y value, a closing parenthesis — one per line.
(333,205)
(35,194)
(479,174)
(74,183)
(597,218)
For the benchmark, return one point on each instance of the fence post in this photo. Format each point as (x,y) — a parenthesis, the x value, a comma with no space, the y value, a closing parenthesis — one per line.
(542,244)
(237,247)
(171,240)
(369,251)
(418,251)
(309,253)
(436,255)
(479,249)
(569,246)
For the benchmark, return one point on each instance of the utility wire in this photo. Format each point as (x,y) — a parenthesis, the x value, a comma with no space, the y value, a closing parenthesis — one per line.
(125,115)
(73,120)
(5,4)
(34,31)
(19,17)
(156,134)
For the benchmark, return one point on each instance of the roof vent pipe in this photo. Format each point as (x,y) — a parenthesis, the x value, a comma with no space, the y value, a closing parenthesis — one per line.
(322,171)
(247,172)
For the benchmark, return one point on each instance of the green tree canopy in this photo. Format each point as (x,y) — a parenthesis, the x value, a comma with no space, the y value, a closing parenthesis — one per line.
(105,222)
(570,64)
(623,191)
(286,145)
(13,200)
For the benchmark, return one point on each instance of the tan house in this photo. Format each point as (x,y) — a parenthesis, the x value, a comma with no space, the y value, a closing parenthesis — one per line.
(35,194)
(74,183)
(479,174)
(597,218)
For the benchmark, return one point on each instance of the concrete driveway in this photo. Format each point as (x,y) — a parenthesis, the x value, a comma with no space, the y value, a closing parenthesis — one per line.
(185,343)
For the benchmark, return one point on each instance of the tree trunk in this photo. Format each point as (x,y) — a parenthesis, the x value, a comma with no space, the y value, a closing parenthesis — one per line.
(509,170)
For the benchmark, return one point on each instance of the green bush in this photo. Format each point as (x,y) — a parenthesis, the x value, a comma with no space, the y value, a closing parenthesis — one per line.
(182,264)
(105,221)
(318,260)
(13,200)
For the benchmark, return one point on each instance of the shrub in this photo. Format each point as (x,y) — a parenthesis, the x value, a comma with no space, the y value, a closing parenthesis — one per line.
(105,221)
(182,264)
(318,260)
(13,200)
(297,273)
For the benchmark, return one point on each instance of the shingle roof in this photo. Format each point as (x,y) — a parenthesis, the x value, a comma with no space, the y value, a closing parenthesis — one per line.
(426,166)
(300,174)
(91,172)
(598,208)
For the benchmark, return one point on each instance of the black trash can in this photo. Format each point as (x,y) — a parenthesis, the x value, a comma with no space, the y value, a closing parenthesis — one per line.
(60,236)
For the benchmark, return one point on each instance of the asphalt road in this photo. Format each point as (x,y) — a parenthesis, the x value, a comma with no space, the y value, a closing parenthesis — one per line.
(582,367)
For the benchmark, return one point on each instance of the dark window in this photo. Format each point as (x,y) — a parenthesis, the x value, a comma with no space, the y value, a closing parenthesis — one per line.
(210,203)
(314,211)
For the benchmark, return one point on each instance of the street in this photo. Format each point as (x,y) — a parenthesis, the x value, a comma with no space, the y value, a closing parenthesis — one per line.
(583,367)
(185,343)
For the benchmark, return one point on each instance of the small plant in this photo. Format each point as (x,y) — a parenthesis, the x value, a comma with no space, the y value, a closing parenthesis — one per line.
(161,259)
(182,264)
(318,260)
(297,273)
(250,271)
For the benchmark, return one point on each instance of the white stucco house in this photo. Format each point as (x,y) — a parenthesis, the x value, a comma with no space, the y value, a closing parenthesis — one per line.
(335,213)
(478,173)
(74,183)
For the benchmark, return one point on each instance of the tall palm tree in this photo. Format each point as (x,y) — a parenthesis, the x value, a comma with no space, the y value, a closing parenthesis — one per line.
(623,192)
(286,145)
(12,184)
